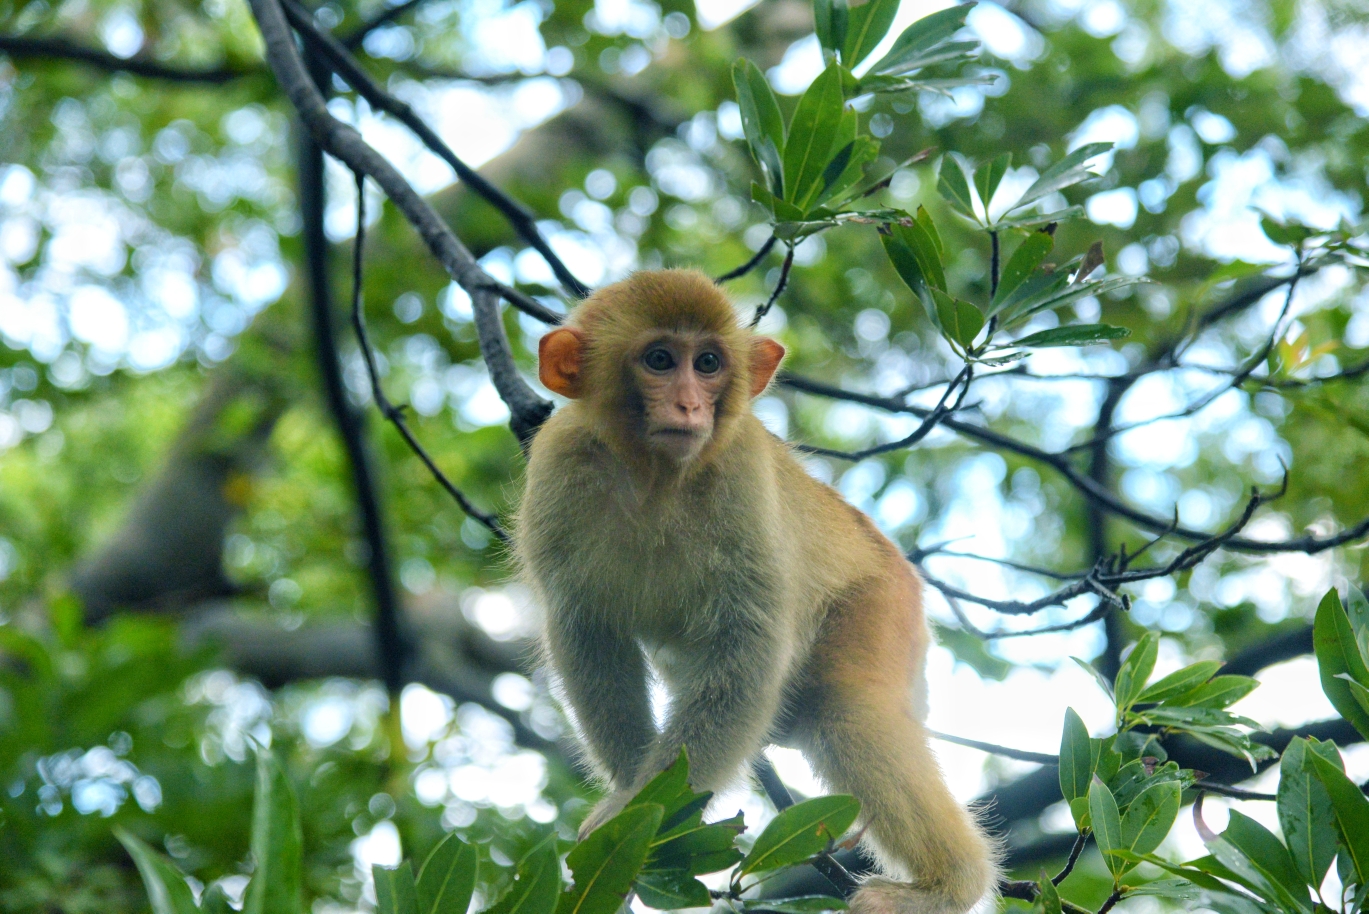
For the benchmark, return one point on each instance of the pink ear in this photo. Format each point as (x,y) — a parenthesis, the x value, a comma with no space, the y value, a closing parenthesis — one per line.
(765,360)
(559,354)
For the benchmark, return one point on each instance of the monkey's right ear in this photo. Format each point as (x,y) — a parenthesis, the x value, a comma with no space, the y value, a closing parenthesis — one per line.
(766,355)
(559,355)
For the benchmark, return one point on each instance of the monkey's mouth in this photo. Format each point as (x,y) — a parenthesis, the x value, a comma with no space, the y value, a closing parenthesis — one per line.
(678,442)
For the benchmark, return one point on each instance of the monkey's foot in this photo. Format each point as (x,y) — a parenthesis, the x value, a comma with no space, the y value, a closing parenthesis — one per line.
(885,896)
(606,809)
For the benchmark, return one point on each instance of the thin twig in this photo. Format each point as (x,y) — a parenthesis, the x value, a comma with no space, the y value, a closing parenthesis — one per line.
(1022,755)
(764,309)
(1075,851)
(354,40)
(750,264)
(939,412)
(395,414)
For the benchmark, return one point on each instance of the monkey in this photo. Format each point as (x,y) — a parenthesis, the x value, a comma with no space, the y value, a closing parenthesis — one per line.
(666,532)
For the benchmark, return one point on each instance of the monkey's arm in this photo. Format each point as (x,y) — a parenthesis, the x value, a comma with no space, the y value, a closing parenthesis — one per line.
(725,697)
(605,681)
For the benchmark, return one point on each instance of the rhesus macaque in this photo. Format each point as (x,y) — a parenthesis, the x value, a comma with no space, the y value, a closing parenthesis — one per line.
(661,522)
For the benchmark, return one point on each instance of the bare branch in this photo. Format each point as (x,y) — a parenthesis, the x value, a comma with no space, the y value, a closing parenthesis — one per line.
(387,409)
(939,412)
(785,267)
(518,217)
(23,46)
(527,409)
(750,264)
(354,40)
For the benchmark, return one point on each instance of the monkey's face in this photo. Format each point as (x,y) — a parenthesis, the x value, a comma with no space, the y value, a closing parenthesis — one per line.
(680,376)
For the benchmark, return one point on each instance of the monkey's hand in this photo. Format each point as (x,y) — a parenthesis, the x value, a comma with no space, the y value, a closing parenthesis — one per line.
(606,809)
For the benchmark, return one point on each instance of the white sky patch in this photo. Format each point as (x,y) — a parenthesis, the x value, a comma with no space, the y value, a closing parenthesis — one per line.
(1004,35)
(713,13)
(801,64)
(97,318)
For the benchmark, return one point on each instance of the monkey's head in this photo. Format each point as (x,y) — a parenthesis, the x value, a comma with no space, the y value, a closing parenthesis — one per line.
(661,362)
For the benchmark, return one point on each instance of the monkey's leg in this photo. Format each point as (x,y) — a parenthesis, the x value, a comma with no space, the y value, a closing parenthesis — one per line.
(865,737)
(604,679)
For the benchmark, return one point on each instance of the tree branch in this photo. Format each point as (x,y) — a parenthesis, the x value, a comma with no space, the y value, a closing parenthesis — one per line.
(23,46)
(527,409)
(518,217)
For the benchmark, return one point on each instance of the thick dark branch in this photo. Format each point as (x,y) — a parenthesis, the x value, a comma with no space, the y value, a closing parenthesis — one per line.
(1081,482)
(23,46)
(392,646)
(522,221)
(526,408)
(389,410)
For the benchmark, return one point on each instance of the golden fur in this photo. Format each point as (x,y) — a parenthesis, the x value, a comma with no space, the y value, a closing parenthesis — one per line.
(771,608)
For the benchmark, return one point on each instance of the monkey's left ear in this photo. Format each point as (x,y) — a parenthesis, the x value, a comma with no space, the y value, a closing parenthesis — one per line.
(559,355)
(765,360)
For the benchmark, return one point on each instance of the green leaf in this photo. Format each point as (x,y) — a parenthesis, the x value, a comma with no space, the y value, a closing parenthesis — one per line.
(954,185)
(986,179)
(1267,855)
(698,848)
(1048,895)
(960,320)
(605,864)
(1097,677)
(829,22)
(811,134)
(1337,652)
(448,877)
(1352,813)
(167,890)
(799,904)
(1179,682)
(1306,816)
(847,169)
(917,39)
(1073,335)
(801,831)
(1076,757)
(1060,294)
(1107,826)
(1068,172)
(762,122)
(1216,693)
(1031,220)
(866,27)
(1150,816)
(669,890)
(537,882)
(1279,233)
(922,240)
(277,843)
(395,891)
(1140,663)
(1174,889)
(1024,260)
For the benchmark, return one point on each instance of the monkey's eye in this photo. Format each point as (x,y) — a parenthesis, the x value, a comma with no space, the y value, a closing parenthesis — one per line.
(707,363)
(658,359)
